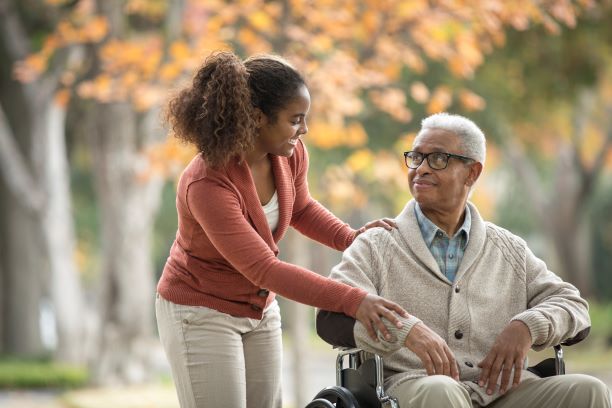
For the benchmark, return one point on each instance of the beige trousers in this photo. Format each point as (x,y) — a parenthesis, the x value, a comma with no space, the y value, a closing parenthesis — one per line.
(222,361)
(562,391)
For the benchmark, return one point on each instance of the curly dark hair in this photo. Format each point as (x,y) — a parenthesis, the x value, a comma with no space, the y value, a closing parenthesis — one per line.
(217,112)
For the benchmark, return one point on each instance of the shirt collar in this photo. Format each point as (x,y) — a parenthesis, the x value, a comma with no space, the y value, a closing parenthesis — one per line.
(429,229)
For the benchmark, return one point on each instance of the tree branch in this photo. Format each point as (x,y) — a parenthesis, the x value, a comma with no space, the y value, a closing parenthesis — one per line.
(600,159)
(17,44)
(513,153)
(15,172)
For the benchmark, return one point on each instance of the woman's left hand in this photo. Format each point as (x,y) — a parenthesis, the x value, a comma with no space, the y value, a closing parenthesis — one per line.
(385,223)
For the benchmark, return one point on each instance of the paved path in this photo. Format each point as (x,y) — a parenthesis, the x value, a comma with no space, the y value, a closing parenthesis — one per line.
(320,361)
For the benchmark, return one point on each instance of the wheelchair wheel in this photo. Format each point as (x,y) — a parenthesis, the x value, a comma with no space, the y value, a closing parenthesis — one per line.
(320,403)
(339,397)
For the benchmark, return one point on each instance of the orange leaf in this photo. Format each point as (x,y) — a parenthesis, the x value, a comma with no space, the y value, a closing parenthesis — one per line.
(440,100)
(62,97)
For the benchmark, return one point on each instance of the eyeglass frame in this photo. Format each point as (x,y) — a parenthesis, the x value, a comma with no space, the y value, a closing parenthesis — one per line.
(426,155)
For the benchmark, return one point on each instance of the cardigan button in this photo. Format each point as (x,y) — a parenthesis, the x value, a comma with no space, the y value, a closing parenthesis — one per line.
(256,308)
(469,364)
(263,293)
(457,289)
(458,334)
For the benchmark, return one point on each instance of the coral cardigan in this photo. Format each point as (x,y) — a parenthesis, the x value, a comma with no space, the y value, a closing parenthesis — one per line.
(225,256)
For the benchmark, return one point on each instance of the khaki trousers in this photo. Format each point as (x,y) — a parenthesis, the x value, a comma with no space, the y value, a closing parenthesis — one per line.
(222,361)
(562,391)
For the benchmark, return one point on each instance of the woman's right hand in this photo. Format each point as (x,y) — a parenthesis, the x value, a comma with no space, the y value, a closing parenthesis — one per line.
(372,308)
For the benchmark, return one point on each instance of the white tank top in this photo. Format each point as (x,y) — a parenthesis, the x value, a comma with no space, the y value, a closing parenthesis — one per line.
(271,212)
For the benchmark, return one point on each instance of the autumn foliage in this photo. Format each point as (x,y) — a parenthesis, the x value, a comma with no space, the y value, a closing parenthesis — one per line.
(354,54)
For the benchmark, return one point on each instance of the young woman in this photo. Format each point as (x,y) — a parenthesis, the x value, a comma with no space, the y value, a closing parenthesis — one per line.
(216,311)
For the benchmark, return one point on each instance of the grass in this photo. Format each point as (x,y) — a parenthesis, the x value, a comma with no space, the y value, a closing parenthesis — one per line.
(40,373)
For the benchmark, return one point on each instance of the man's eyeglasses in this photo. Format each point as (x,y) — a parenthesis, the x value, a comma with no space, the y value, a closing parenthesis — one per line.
(436,160)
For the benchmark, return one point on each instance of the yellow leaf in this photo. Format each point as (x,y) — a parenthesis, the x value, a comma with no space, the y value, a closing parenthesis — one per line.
(170,72)
(356,135)
(404,142)
(179,50)
(261,21)
(95,30)
(247,37)
(470,101)
(440,100)
(393,102)
(360,160)
(419,92)
(321,43)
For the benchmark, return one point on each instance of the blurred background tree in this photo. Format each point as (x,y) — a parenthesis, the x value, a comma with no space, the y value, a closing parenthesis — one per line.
(87,171)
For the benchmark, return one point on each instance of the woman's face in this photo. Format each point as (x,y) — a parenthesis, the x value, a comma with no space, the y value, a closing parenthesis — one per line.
(280,137)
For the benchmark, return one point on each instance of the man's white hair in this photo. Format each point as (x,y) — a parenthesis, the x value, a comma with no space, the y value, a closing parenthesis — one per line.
(473,140)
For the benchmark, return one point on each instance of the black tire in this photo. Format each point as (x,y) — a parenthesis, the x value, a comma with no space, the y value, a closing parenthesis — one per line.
(320,403)
(340,397)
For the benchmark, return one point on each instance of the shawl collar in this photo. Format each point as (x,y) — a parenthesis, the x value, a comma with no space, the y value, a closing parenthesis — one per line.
(285,189)
(240,175)
(411,234)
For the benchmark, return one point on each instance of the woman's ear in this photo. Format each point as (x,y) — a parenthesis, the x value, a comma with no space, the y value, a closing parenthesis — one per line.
(260,118)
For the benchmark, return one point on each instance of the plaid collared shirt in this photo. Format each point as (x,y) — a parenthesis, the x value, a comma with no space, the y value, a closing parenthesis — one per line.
(447,252)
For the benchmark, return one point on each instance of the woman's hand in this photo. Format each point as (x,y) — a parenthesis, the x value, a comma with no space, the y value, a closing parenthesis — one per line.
(372,308)
(385,223)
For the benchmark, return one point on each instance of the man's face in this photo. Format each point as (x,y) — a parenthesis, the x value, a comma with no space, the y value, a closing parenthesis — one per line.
(441,190)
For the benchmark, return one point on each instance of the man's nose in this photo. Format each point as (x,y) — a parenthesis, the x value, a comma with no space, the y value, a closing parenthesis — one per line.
(423,168)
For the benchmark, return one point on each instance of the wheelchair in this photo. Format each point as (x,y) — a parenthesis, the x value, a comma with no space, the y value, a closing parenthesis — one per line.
(360,380)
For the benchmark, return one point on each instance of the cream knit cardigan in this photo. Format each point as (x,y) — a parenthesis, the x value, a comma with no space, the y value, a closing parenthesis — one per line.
(499,280)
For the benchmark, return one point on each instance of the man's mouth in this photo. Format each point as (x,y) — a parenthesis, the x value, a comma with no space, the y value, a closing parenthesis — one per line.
(422,183)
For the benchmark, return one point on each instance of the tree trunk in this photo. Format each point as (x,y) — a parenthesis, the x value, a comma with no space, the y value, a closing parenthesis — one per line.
(37,231)
(129,199)
(567,224)
(559,214)
(21,263)
(64,287)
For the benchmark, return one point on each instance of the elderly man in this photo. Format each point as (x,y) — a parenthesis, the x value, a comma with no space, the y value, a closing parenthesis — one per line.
(478,297)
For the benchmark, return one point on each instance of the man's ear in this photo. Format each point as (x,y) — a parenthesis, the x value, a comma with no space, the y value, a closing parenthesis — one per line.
(475,171)
(260,118)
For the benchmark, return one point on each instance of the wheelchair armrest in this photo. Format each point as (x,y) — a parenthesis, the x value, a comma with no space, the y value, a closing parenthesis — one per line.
(336,328)
(582,334)
(556,365)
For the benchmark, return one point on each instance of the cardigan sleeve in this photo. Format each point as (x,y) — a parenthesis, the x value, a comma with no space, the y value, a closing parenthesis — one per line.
(361,266)
(217,209)
(309,216)
(555,311)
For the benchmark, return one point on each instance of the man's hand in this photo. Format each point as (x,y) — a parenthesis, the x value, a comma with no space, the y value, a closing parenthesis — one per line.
(508,351)
(433,351)
(370,311)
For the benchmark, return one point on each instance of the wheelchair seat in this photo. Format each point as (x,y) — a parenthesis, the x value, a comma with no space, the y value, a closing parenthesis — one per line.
(360,381)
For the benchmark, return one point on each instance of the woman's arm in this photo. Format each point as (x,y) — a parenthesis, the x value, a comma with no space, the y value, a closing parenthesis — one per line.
(219,213)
